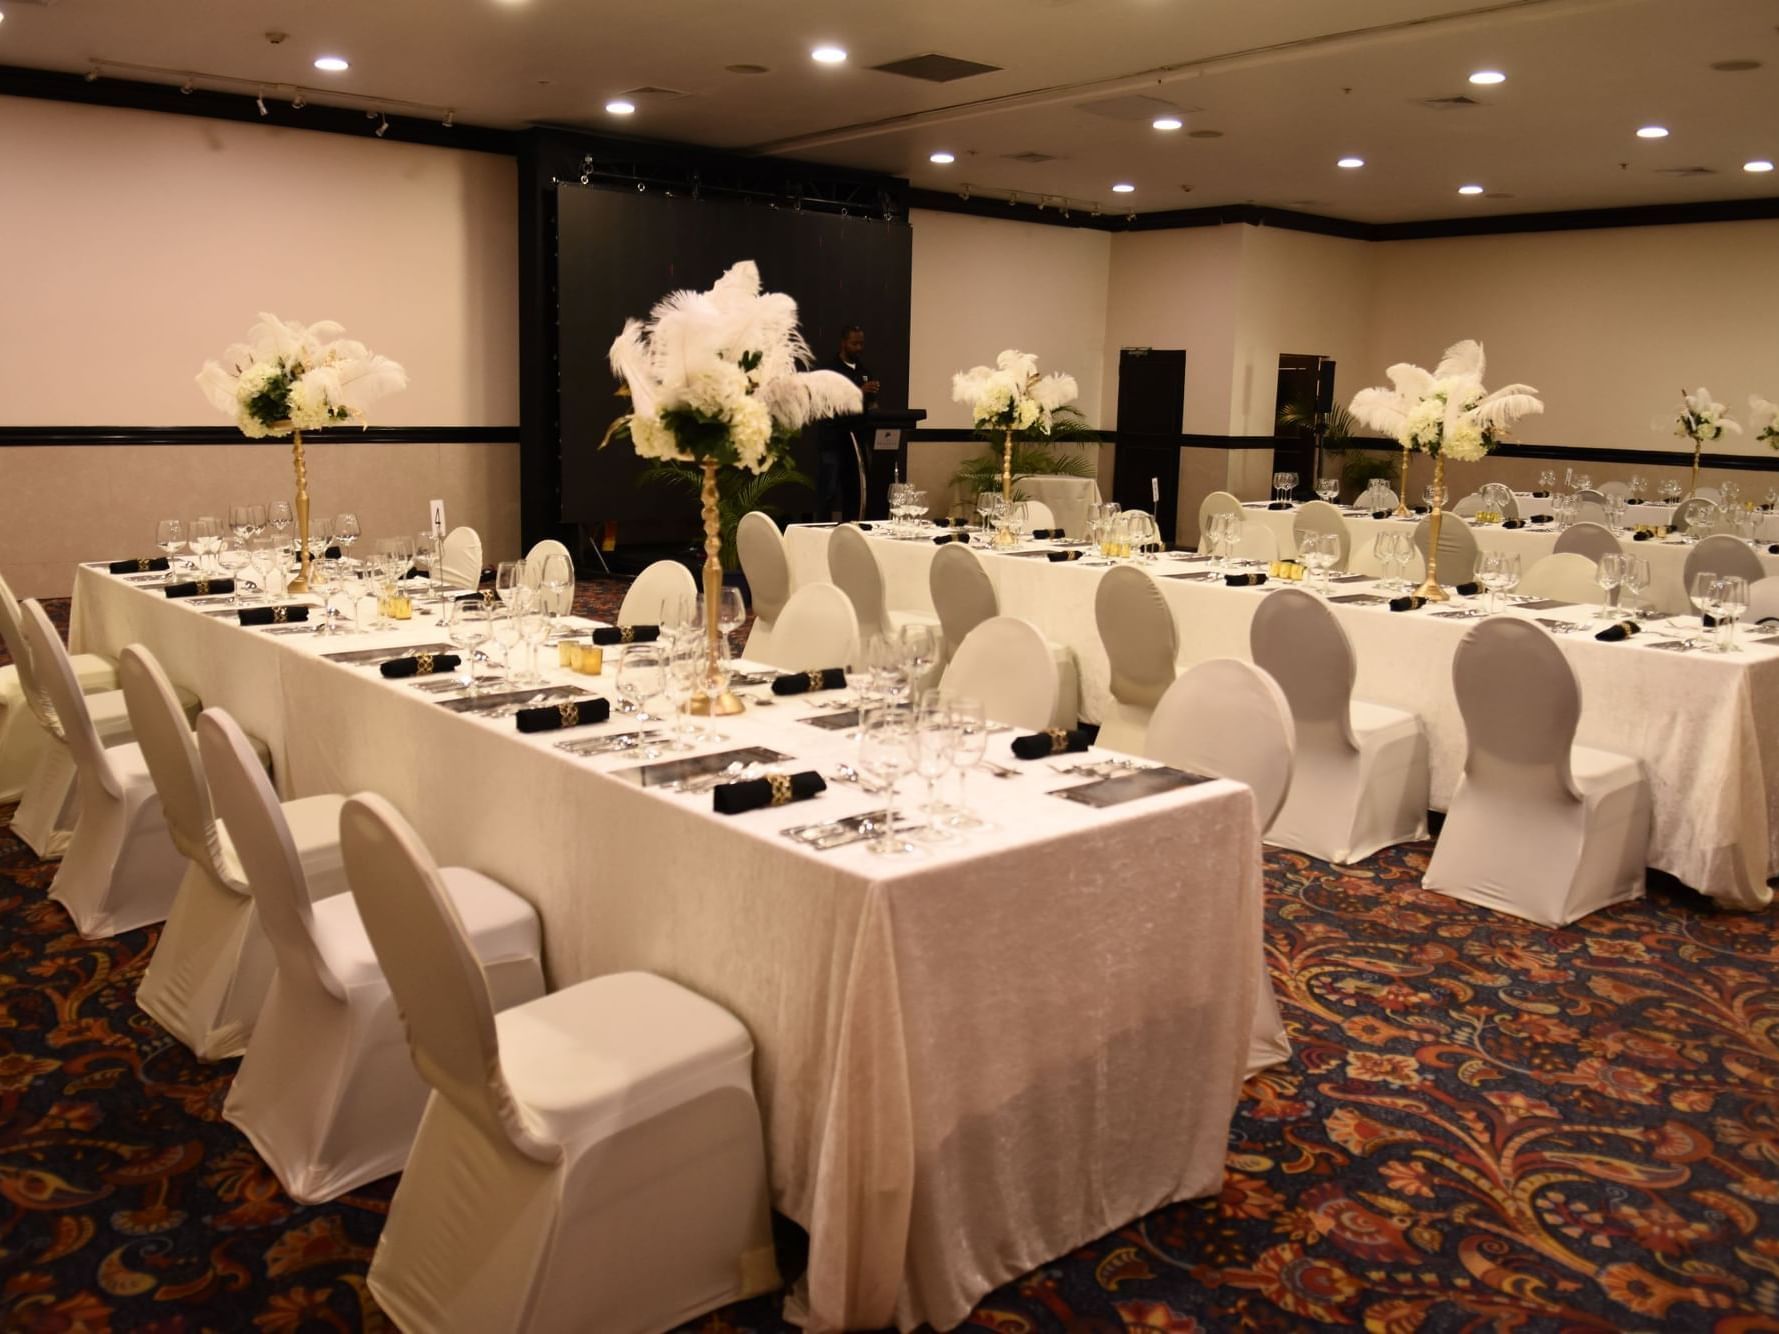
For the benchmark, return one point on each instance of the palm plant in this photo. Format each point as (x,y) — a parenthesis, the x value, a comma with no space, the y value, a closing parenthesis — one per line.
(738,493)
(1034,453)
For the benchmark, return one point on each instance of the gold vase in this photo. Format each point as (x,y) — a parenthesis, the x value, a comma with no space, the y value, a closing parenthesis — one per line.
(714,698)
(1402,509)
(301,583)
(1697,446)
(1003,534)
(1430,588)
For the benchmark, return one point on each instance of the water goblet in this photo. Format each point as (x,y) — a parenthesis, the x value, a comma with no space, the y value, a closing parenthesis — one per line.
(346,532)
(169,536)
(1290,486)
(886,753)
(509,580)
(1636,580)
(969,742)
(469,625)
(556,577)
(1609,573)
(919,650)
(508,634)
(934,737)
(1328,489)
(641,677)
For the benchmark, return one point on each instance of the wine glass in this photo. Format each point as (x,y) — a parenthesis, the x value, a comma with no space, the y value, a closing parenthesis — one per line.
(278,520)
(232,558)
(969,742)
(1583,482)
(1732,601)
(1328,489)
(1706,590)
(919,650)
(1609,573)
(557,579)
(534,628)
(508,634)
(1278,487)
(886,753)
(1290,486)
(346,532)
(934,737)
(1547,480)
(684,674)
(241,521)
(267,557)
(638,678)
(324,582)
(203,537)
(469,625)
(169,536)
(731,612)
(1435,496)
(1636,580)
(509,579)
(1638,485)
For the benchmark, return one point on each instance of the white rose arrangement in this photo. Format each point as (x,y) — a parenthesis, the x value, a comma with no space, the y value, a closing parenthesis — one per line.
(1765,420)
(1011,395)
(1702,419)
(291,377)
(1446,412)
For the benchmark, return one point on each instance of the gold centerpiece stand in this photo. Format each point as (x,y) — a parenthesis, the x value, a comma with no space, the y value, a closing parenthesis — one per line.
(715,699)
(1430,589)
(1004,535)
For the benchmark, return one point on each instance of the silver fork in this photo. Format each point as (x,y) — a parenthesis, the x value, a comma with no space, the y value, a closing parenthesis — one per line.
(999,770)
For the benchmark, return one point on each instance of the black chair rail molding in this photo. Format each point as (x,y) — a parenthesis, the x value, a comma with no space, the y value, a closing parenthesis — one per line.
(17,437)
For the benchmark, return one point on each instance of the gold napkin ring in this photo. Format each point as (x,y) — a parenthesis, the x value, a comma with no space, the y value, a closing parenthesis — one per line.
(423,664)
(781,788)
(203,585)
(569,714)
(815,680)
(142,564)
(626,634)
(1059,740)
(280,615)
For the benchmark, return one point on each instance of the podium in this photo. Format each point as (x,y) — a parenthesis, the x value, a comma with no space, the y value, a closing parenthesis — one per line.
(880,451)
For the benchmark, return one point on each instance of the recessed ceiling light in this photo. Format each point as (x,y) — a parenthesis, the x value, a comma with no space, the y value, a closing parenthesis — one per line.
(1350,162)
(619,107)
(1470,189)
(1167,122)
(1488,76)
(1123,188)
(1759,164)
(828,55)
(942,158)
(332,64)
(1652,132)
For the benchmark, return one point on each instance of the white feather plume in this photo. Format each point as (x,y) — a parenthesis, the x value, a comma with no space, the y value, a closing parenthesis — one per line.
(1462,361)
(796,400)
(323,371)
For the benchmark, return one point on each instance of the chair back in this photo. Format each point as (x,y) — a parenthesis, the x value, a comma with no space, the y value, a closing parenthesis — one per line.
(1721,554)
(1521,704)
(62,694)
(433,972)
(559,602)
(761,548)
(261,835)
(1763,600)
(1033,514)
(1590,496)
(853,567)
(1567,576)
(1499,497)
(12,635)
(1590,539)
(1615,489)
(1470,506)
(1710,493)
(1318,516)
(1141,640)
(1695,511)
(170,749)
(1257,542)
(1297,640)
(656,591)
(1228,719)
(1218,502)
(460,558)
(817,629)
(963,594)
(1590,511)
(1457,549)
(1005,663)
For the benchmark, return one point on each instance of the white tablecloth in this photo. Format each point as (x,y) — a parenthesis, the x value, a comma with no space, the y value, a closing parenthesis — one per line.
(1706,726)
(968,1063)
(1667,556)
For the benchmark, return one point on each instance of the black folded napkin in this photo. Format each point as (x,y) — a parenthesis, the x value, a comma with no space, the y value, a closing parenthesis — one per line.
(421,664)
(140,566)
(1513,523)
(1773,549)
(198,587)
(1053,742)
(569,713)
(948,523)
(1632,500)
(943,538)
(774,790)
(1065,555)
(1542,518)
(627,634)
(1046,534)
(1280,505)
(1641,537)
(1382,514)
(1709,621)
(1244,580)
(1613,633)
(1408,603)
(1468,590)
(1420,509)
(1541,495)
(864,527)
(272,615)
(800,683)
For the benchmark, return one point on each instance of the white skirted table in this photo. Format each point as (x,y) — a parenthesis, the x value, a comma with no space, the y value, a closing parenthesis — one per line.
(1705,725)
(969,1062)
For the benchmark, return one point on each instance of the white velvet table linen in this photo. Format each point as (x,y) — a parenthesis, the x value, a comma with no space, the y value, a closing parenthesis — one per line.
(969,1062)
(1705,726)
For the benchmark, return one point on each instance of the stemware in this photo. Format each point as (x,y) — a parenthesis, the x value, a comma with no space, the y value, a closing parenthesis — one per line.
(1278,487)
(1732,601)
(169,536)
(1319,552)
(1638,485)
(346,532)
(641,677)
(267,559)
(204,537)
(969,742)
(241,521)
(469,625)
(934,736)
(534,628)
(1435,496)
(731,612)
(232,558)
(1290,486)
(507,634)
(886,753)
(1636,580)
(1707,591)
(556,577)
(684,675)
(918,650)
(1547,480)
(1609,573)
(1328,489)
(324,582)
(1670,491)
(509,579)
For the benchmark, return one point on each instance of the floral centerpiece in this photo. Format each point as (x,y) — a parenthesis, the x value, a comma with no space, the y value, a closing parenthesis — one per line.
(289,378)
(1700,419)
(716,378)
(1012,398)
(1765,420)
(1445,413)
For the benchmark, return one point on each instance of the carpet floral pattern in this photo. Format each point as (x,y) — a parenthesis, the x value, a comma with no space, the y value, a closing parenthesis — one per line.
(1486,1124)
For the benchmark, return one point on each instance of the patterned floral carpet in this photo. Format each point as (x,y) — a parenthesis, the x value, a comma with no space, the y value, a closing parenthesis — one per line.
(1487,1124)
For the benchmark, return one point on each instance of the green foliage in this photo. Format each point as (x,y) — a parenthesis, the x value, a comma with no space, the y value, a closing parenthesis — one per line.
(1359,466)
(1338,428)
(738,492)
(1034,453)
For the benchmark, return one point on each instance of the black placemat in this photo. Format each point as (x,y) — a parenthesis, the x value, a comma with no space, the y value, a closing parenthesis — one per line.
(697,766)
(1130,787)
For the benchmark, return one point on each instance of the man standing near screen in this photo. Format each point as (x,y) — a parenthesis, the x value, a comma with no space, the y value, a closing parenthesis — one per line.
(842,440)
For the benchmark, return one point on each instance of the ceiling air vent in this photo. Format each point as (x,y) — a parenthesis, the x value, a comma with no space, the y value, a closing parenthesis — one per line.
(650,93)
(1457,103)
(934,68)
(1133,107)
(1030,157)
(1686,171)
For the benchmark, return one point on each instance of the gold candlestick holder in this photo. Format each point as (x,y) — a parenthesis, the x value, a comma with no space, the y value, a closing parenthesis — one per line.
(1003,534)
(714,699)
(1430,589)
(301,583)
(1402,509)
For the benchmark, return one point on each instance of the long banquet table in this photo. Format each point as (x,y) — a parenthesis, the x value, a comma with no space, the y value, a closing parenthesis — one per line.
(968,1063)
(1705,725)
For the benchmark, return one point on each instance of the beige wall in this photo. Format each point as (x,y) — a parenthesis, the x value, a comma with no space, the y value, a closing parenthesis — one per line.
(981,285)
(138,245)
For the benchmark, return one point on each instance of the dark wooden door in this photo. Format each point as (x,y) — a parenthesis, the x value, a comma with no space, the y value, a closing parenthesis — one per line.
(1151,408)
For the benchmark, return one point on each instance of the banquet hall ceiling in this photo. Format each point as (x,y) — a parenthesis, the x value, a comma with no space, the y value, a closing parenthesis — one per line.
(1271,94)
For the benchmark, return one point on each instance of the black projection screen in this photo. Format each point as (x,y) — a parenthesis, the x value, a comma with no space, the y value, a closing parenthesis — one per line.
(618,252)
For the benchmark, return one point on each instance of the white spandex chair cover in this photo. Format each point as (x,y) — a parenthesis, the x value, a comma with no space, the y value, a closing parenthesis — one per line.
(591,1160)
(653,592)
(1005,663)
(1590,539)
(1695,512)
(1499,496)
(853,567)
(1567,576)
(1360,779)
(1033,514)
(1257,542)
(1470,506)
(760,546)
(460,558)
(1763,601)
(1229,719)
(1457,549)
(1318,516)
(1142,646)
(1539,827)
(1721,554)
(211,967)
(816,630)
(1218,502)
(23,740)
(965,597)
(1710,493)
(326,1092)
(560,602)
(1590,511)
(1620,490)
(121,869)
(1590,496)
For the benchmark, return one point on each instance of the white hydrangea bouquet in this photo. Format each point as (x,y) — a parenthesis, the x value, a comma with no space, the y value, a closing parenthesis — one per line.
(1765,420)
(291,377)
(717,377)
(1702,419)
(1012,398)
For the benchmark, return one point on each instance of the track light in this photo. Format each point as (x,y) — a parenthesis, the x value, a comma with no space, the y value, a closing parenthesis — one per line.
(260,101)
(92,75)
(298,102)
(186,87)
(382,126)
(450,117)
